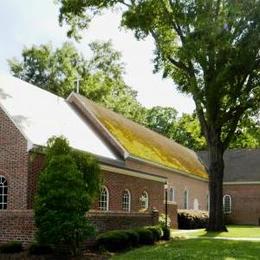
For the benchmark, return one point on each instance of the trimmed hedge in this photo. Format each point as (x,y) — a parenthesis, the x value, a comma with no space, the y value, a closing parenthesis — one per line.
(118,240)
(11,247)
(157,232)
(146,236)
(38,249)
(192,219)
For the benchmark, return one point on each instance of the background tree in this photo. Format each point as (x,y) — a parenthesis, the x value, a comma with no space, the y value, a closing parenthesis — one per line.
(210,49)
(66,188)
(101,76)
(161,119)
(187,131)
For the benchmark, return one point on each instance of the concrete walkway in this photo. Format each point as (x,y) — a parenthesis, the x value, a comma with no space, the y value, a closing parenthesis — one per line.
(189,232)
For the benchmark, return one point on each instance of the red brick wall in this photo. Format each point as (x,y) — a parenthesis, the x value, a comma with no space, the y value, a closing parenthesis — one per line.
(198,189)
(245,203)
(19,224)
(104,221)
(117,183)
(16,225)
(13,162)
(172,213)
(35,166)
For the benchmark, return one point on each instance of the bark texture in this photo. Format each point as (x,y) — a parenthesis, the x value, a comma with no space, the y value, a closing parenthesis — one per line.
(216,173)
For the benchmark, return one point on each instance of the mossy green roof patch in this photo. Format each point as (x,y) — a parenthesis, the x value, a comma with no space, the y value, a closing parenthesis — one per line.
(146,144)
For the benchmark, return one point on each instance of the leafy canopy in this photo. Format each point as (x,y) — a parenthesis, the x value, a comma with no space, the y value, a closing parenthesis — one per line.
(101,75)
(209,48)
(66,188)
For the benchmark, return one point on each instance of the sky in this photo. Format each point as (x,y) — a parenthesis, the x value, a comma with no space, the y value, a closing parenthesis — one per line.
(27,22)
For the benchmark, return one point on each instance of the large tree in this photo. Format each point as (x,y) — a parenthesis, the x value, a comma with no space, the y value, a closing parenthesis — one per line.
(101,75)
(210,48)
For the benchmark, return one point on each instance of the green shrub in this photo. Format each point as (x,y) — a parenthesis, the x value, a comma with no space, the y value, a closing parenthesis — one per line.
(157,232)
(118,240)
(146,236)
(133,238)
(40,249)
(192,219)
(166,233)
(65,190)
(114,240)
(11,247)
(162,220)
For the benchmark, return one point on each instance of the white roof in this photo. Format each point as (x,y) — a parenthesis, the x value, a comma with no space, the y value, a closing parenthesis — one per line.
(39,115)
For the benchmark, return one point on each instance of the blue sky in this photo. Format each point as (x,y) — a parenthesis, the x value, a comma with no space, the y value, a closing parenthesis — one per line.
(27,22)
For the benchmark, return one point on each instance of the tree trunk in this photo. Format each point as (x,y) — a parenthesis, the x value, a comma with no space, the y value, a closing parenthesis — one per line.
(216,173)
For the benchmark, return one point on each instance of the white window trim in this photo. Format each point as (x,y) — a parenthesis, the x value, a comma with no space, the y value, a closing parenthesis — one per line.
(129,195)
(224,207)
(186,198)
(107,204)
(173,194)
(147,200)
(208,202)
(197,201)
(4,184)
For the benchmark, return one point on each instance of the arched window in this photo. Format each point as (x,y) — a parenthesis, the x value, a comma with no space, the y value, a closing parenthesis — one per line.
(186,199)
(126,201)
(104,199)
(144,200)
(227,204)
(3,193)
(196,204)
(172,195)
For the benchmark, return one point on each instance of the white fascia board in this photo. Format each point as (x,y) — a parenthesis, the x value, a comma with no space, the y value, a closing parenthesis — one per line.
(70,100)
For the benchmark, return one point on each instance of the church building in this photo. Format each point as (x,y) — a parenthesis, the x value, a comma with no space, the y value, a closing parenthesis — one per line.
(137,163)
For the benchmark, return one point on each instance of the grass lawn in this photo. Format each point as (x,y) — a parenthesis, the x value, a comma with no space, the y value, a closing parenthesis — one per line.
(203,248)
(196,249)
(233,231)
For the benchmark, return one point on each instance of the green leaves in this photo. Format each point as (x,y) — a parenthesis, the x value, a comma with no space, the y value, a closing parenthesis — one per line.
(66,188)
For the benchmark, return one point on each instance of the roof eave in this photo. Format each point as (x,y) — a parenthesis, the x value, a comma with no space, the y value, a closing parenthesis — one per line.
(132,157)
(73,99)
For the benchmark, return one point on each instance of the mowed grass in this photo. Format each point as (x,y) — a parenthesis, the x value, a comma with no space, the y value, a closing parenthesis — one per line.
(198,249)
(235,231)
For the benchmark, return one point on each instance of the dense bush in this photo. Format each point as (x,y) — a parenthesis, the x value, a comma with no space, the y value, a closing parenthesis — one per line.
(118,240)
(40,249)
(11,247)
(133,238)
(146,236)
(192,219)
(114,240)
(157,232)
(66,188)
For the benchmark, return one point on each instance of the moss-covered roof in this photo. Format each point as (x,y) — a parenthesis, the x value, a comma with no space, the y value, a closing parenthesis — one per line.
(144,143)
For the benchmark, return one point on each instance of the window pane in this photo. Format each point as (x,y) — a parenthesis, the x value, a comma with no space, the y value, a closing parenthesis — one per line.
(103,199)
(126,201)
(3,193)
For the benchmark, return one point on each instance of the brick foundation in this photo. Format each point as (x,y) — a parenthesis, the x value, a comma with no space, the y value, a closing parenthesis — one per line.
(118,220)
(19,224)
(16,225)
